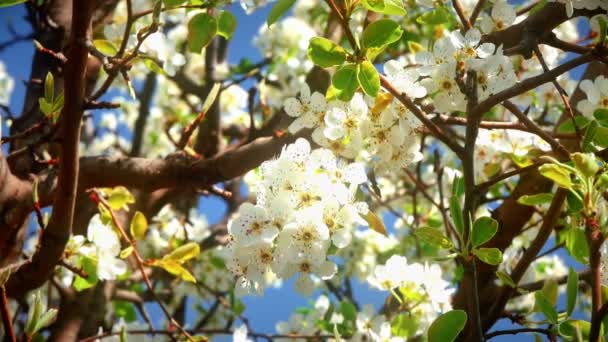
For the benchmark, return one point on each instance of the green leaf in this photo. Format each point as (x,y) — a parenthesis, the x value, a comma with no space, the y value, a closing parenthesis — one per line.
(348,310)
(576,243)
(278,10)
(404,325)
(589,136)
(345,82)
(601,114)
(34,315)
(506,279)
(557,173)
(381,33)
(125,310)
(175,268)
(571,291)
(49,88)
(447,326)
(491,256)
(226,24)
(139,226)
(536,199)
(325,53)
(184,253)
(201,30)
(575,203)
(46,319)
(151,64)
(550,291)
(433,237)
(7,3)
(542,305)
(601,136)
(375,223)
(603,30)
(456,213)
(484,229)
(45,107)
(568,127)
(105,46)
(438,16)
(586,163)
(458,186)
(368,78)
(125,253)
(389,7)
(90,267)
(574,330)
(173,3)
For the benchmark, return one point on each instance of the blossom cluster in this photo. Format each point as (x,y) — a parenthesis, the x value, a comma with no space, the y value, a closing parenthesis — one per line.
(305,203)
(102,246)
(380,131)
(421,285)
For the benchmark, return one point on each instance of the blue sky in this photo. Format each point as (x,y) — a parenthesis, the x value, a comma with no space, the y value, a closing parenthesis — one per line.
(277,304)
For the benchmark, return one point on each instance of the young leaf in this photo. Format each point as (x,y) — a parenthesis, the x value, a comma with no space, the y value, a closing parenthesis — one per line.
(589,136)
(174,267)
(447,326)
(119,198)
(535,199)
(7,3)
(184,253)
(278,10)
(151,64)
(433,237)
(571,290)
(139,226)
(456,213)
(105,46)
(46,319)
(345,82)
(90,268)
(484,229)
(368,77)
(556,173)
(491,256)
(381,33)
(49,88)
(201,30)
(542,304)
(506,279)
(375,223)
(226,24)
(325,53)
(125,253)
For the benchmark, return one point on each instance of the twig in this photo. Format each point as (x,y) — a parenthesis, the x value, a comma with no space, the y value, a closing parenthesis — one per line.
(517,331)
(6,316)
(140,264)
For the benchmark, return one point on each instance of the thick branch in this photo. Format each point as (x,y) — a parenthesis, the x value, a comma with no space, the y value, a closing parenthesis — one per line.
(59,228)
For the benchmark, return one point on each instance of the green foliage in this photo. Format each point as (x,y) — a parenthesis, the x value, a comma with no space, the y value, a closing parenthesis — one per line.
(491,256)
(447,326)
(378,35)
(278,10)
(89,266)
(325,53)
(7,3)
(543,306)
(484,229)
(201,30)
(368,78)
(456,213)
(571,291)
(389,7)
(226,24)
(139,226)
(345,82)
(434,237)
(536,199)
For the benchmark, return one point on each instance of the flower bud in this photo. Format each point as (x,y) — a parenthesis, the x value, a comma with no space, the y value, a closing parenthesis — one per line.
(585,163)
